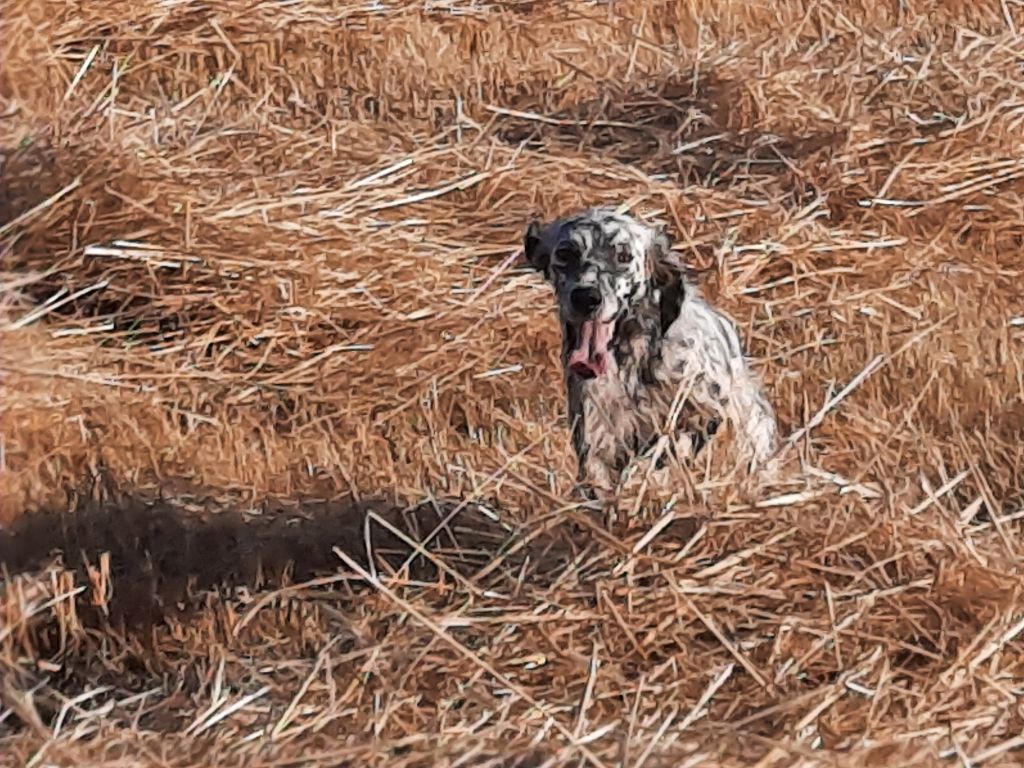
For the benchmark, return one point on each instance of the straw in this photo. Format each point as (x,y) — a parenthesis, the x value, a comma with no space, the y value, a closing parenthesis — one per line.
(264,299)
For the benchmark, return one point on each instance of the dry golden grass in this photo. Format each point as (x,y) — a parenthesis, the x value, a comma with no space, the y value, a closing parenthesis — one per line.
(259,259)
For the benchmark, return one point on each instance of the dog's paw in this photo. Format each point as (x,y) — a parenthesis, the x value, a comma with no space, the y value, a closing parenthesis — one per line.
(586,494)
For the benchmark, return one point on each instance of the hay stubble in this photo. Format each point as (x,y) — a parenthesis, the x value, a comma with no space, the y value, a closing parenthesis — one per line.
(257,254)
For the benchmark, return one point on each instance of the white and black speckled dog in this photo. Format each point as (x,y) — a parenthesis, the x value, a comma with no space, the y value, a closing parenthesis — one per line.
(644,354)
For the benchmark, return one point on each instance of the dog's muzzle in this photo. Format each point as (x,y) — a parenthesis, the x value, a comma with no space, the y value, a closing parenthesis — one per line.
(590,357)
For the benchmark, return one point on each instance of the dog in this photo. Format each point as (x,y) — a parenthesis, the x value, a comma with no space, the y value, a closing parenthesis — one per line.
(644,355)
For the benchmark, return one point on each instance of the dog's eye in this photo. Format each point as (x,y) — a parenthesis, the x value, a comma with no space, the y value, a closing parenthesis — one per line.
(566,254)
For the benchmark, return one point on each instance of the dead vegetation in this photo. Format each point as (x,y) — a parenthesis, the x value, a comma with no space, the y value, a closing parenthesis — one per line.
(261,296)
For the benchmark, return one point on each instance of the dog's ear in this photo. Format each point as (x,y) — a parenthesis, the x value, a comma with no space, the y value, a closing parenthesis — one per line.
(533,248)
(667,279)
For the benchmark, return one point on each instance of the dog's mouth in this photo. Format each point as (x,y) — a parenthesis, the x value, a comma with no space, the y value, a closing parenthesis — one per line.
(590,357)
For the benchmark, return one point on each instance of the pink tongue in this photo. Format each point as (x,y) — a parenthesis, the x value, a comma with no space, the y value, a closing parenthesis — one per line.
(590,358)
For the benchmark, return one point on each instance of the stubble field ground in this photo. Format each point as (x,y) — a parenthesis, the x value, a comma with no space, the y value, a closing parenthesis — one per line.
(262,314)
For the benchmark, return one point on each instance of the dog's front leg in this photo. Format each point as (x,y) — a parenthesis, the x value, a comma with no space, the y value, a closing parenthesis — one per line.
(593,479)
(734,394)
(597,475)
(593,475)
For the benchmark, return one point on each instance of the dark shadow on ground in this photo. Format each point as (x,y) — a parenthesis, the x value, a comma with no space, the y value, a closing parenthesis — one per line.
(186,574)
(179,567)
(162,556)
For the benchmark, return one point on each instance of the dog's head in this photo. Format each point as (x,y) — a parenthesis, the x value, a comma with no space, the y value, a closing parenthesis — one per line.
(604,267)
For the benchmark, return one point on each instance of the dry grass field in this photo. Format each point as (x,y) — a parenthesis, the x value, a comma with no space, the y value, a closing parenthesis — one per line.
(285,469)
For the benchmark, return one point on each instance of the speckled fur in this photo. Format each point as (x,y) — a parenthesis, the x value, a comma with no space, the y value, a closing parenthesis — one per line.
(679,367)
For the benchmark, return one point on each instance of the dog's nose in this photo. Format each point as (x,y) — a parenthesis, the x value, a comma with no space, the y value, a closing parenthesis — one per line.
(584,299)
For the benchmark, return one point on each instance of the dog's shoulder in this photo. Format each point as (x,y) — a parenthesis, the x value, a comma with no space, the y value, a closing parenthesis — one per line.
(700,324)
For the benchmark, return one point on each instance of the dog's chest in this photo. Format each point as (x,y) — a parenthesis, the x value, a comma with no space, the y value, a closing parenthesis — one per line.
(623,410)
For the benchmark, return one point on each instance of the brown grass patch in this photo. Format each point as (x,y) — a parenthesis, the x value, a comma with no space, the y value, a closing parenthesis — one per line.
(285,470)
